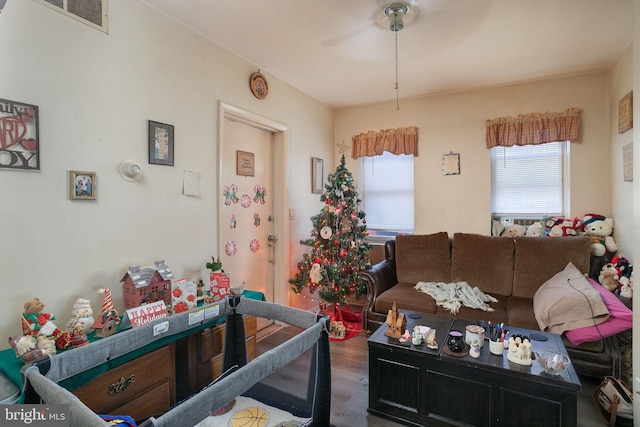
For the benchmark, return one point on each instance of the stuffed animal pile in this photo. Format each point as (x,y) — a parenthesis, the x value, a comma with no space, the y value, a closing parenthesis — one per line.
(617,277)
(598,227)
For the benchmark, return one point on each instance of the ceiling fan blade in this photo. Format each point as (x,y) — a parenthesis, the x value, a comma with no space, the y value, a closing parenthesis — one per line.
(349,34)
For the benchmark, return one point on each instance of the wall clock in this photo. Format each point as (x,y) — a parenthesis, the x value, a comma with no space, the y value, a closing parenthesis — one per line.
(259,86)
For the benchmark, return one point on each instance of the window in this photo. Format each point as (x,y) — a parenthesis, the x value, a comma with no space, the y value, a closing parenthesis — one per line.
(387,194)
(528,180)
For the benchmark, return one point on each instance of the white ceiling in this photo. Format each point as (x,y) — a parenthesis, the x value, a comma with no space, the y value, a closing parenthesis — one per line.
(334,51)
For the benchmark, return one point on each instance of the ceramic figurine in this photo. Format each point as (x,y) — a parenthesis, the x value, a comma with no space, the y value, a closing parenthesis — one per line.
(431,340)
(106,324)
(406,336)
(474,351)
(83,313)
(519,351)
(79,337)
(416,339)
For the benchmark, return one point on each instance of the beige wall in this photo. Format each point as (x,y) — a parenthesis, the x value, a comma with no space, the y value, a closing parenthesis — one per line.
(456,122)
(95,93)
(621,82)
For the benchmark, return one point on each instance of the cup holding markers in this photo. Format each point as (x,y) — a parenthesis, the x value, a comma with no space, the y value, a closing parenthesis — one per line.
(496,347)
(497,335)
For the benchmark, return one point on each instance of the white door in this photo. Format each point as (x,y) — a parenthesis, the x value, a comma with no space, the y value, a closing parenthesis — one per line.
(247,214)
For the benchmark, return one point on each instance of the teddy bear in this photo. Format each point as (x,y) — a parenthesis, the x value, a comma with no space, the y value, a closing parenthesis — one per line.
(626,289)
(622,264)
(515,230)
(25,347)
(534,230)
(35,322)
(608,277)
(600,229)
(558,226)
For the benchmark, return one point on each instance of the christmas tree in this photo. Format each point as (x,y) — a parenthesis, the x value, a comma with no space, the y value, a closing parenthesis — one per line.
(338,247)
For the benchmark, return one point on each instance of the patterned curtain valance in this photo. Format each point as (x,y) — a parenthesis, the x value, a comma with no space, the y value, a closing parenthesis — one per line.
(533,129)
(396,141)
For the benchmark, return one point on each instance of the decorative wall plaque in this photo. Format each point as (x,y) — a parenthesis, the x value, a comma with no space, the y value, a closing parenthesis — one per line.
(259,86)
(625,113)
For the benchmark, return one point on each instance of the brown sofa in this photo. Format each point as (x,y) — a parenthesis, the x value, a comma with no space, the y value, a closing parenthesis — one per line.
(508,269)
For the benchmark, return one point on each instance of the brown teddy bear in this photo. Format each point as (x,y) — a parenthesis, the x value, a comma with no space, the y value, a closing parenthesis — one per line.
(35,322)
(608,277)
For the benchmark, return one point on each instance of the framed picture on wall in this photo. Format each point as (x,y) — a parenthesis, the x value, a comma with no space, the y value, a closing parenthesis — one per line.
(625,113)
(82,185)
(161,143)
(19,139)
(627,162)
(317,175)
(245,163)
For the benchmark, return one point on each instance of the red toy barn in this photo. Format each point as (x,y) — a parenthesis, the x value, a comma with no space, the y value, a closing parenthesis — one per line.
(147,284)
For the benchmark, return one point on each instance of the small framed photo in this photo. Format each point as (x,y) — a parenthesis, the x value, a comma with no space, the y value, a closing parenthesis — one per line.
(451,164)
(82,185)
(317,175)
(160,143)
(245,163)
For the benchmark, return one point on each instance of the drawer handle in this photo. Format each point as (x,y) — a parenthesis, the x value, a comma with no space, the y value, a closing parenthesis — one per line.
(121,385)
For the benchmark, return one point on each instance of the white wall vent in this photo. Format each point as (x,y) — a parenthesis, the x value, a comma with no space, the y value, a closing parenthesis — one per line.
(94,13)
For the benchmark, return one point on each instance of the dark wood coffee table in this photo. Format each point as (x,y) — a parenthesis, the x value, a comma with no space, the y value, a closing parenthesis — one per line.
(415,385)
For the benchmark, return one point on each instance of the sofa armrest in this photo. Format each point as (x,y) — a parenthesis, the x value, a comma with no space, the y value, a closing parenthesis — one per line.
(378,278)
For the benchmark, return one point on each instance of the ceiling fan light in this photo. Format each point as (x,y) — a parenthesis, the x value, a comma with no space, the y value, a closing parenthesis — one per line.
(395,22)
(395,12)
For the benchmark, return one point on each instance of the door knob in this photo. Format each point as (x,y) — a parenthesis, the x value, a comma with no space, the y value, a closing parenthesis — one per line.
(271,238)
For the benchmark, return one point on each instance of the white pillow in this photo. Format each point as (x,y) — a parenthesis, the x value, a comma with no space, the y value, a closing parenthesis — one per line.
(567,301)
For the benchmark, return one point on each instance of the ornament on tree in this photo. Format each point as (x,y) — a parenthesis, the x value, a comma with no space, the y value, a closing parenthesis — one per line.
(338,246)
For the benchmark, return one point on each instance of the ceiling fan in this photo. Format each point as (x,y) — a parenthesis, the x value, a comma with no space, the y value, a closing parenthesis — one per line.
(389,15)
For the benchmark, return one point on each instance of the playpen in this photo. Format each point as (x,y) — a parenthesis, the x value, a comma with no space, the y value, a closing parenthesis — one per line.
(308,401)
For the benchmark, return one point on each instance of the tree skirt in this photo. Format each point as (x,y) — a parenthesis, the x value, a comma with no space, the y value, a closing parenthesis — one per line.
(345,323)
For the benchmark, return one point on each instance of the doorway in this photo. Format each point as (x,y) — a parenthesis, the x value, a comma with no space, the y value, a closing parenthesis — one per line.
(253,202)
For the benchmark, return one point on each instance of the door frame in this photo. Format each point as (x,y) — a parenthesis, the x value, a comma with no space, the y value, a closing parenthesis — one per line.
(280,169)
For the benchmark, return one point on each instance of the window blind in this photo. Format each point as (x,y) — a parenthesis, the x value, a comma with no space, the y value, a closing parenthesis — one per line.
(527,180)
(387,192)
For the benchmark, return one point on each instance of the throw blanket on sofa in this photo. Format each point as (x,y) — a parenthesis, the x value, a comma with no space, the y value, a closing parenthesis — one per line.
(454,295)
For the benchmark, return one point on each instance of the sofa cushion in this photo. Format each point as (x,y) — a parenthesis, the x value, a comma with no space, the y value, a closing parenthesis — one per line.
(521,313)
(483,261)
(499,315)
(406,298)
(568,301)
(537,259)
(423,258)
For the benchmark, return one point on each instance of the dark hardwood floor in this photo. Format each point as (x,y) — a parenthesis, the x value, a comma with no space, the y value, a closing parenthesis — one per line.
(350,382)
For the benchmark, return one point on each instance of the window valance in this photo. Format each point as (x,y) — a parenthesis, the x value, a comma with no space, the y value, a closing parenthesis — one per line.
(396,141)
(534,128)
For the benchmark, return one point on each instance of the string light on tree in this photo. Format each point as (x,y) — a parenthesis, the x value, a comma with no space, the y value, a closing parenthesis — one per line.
(338,244)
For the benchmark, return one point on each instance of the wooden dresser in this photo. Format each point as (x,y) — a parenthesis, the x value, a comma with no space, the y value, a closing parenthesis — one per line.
(140,388)
(152,383)
(199,356)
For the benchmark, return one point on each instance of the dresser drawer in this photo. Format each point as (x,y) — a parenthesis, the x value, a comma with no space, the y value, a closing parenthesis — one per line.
(140,388)
(211,342)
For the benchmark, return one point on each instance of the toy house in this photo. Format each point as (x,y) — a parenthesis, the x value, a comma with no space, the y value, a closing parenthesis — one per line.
(106,324)
(396,323)
(108,320)
(147,284)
